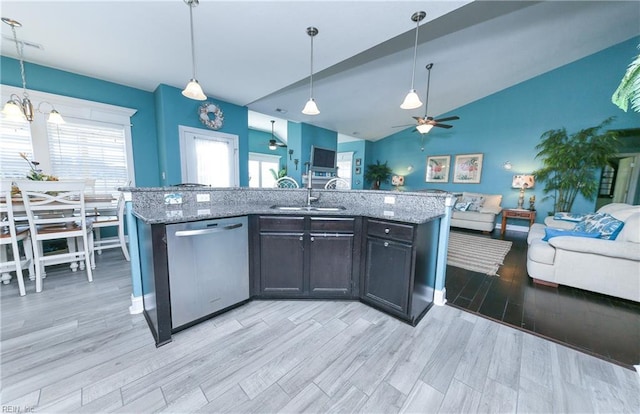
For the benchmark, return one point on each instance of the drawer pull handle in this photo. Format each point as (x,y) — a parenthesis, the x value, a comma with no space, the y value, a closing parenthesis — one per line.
(386,231)
(312,238)
(386,244)
(301,238)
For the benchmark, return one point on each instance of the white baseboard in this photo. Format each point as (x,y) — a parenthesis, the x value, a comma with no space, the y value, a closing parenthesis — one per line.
(440,297)
(514,227)
(136,305)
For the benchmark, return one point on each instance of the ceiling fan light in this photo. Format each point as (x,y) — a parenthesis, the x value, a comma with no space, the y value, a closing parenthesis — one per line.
(424,128)
(55,117)
(272,145)
(13,112)
(194,91)
(411,101)
(311,108)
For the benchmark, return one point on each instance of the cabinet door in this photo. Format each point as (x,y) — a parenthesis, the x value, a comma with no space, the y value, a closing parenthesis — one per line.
(281,263)
(330,265)
(388,274)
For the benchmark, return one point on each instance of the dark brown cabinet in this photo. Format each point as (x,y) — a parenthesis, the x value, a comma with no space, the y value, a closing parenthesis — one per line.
(305,257)
(399,267)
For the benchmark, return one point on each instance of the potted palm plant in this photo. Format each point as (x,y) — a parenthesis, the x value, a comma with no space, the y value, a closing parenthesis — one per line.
(377,173)
(570,162)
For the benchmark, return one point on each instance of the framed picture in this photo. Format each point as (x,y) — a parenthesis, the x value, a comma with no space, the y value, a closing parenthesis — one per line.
(438,169)
(358,162)
(467,168)
(358,170)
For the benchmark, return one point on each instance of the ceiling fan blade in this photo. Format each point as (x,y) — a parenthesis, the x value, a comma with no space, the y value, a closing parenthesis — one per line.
(450,118)
(402,126)
(443,126)
(419,118)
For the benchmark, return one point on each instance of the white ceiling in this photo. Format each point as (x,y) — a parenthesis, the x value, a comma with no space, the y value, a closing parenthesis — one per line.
(256,53)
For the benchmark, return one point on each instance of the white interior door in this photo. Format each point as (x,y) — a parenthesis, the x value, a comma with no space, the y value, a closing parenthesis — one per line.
(209,157)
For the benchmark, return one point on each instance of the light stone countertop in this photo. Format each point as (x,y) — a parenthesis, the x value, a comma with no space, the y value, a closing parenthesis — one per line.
(409,207)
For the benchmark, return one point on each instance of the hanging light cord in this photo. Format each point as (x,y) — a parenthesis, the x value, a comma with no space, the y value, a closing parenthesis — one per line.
(20,51)
(311,76)
(193,48)
(415,54)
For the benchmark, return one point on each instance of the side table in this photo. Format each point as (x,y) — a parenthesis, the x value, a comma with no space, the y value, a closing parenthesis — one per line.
(517,213)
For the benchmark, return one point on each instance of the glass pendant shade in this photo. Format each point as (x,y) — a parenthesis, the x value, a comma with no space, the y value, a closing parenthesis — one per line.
(424,128)
(311,108)
(411,101)
(194,91)
(55,117)
(13,111)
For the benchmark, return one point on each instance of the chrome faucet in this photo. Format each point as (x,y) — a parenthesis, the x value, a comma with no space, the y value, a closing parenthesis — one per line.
(309,188)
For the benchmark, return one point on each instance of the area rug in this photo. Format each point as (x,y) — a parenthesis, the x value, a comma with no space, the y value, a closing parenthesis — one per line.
(476,253)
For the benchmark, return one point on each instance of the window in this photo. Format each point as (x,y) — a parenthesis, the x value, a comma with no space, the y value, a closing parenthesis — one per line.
(209,157)
(260,167)
(89,150)
(16,138)
(94,142)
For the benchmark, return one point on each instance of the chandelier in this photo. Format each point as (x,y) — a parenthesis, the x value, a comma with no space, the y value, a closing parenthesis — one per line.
(21,108)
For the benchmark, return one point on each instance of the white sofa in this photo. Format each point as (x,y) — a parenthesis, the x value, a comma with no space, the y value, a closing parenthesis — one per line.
(484,219)
(611,267)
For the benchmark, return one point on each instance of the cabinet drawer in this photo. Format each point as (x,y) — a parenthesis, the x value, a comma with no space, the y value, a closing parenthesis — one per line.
(387,230)
(282,224)
(525,214)
(332,224)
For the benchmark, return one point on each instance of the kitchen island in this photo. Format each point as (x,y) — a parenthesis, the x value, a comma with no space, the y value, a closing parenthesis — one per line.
(386,249)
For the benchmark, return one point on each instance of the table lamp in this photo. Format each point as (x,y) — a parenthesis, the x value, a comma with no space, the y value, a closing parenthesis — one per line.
(522,182)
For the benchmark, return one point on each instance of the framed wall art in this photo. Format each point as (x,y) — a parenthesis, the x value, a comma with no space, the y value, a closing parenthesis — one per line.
(438,169)
(467,168)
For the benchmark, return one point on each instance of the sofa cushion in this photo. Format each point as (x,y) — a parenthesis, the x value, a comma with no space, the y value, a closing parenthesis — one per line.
(607,225)
(559,224)
(631,230)
(551,232)
(541,252)
(473,216)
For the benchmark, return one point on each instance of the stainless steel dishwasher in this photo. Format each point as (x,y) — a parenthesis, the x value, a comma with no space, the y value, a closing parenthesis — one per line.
(208,267)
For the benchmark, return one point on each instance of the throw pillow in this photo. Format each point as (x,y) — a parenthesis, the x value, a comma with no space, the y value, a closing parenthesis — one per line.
(608,226)
(551,232)
(572,217)
(475,202)
(461,206)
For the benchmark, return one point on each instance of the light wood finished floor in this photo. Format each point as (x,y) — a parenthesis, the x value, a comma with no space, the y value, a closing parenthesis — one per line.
(75,348)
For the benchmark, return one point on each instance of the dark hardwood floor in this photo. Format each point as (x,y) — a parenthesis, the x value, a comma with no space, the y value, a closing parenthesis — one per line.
(600,325)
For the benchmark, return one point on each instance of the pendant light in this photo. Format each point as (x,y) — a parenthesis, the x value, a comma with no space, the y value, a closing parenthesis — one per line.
(21,108)
(193,89)
(425,128)
(311,108)
(412,101)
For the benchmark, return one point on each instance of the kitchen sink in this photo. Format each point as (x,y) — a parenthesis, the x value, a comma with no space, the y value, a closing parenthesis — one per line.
(308,208)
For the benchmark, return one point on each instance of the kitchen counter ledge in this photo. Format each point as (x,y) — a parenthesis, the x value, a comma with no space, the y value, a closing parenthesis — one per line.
(409,207)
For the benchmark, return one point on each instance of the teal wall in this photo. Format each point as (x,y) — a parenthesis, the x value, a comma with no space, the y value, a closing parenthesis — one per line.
(173,110)
(143,130)
(259,141)
(507,125)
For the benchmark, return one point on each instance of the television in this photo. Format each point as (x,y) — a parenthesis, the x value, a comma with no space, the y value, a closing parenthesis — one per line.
(323,159)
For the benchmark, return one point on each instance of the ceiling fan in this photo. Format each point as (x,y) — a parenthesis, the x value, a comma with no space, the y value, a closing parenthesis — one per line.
(425,123)
(273,143)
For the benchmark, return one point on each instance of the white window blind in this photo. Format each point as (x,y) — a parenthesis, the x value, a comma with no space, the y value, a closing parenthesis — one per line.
(15,137)
(89,150)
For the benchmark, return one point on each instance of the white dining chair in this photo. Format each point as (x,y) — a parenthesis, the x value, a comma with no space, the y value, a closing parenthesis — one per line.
(50,207)
(337,183)
(286,182)
(110,218)
(10,236)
